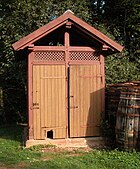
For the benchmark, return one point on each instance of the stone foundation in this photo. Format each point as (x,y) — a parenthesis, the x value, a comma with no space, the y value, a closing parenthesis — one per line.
(93,142)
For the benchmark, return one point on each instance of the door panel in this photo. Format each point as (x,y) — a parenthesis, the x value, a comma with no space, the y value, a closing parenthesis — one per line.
(85,100)
(49,100)
(49,94)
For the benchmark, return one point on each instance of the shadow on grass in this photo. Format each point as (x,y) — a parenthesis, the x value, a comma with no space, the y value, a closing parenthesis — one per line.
(12,132)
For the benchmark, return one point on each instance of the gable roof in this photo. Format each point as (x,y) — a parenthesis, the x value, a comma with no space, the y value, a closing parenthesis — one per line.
(63,19)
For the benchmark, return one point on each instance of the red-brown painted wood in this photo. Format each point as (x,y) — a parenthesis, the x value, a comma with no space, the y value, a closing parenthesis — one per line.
(49,48)
(67,44)
(30,97)
(83,26)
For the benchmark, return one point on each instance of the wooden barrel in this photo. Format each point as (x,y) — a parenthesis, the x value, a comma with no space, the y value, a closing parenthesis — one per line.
(128,119)
(112,101)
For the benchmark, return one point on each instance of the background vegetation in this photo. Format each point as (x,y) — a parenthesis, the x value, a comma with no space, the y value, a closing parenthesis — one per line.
(118,19)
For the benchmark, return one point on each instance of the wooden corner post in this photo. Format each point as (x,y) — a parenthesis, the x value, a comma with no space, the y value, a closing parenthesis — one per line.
(67,45)
(30,91)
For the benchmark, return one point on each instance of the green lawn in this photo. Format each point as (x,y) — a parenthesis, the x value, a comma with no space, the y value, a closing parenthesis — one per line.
(13,155)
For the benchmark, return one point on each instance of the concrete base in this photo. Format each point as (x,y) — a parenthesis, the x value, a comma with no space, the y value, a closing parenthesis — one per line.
(92,142)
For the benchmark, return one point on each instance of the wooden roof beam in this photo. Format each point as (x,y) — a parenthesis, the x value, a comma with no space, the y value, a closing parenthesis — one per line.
(66,19)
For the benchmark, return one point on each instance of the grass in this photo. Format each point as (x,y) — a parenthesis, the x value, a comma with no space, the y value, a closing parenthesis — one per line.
(14,156)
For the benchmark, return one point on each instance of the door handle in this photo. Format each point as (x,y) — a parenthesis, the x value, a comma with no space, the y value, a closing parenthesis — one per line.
(73,107)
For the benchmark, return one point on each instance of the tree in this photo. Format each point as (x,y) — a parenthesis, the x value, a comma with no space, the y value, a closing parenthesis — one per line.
(19,18)
(125,15)
(118,19)
(122,17)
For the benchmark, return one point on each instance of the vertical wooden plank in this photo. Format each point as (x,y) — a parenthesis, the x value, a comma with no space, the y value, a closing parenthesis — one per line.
(98,105)
(38,131)
(76,101)
(103,82)
(65,101)
(58,100)
(34,100)
(81,100)
(58,120)
(42,100)
(71,100)
(67,45)
(46,100)
(30,96)
(94,95)
(67,39)
(49,97)
(53,100)
(90,119)
(56,70)
(56,88)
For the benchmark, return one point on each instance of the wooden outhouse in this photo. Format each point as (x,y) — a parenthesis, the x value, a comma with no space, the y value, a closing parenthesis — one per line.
(66,78)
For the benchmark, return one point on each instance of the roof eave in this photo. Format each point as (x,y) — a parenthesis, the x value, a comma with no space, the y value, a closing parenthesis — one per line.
(31,38)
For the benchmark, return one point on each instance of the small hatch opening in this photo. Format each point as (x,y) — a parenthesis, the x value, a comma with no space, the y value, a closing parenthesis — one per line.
(50,134)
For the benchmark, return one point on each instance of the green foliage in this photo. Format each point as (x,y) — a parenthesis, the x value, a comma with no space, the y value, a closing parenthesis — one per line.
(11,151)
(13,155)
(19,18)
(124,15)
(14,88)
(121,18)
(120,69)
(40,147)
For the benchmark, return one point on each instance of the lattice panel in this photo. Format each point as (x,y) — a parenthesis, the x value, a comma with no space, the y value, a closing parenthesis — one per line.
(49,56)
(84,56)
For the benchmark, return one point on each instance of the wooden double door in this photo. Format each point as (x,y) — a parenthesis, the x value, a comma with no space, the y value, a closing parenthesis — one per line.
(67,101)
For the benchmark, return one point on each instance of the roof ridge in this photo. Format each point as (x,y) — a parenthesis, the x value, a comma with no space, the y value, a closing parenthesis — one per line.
(69,11)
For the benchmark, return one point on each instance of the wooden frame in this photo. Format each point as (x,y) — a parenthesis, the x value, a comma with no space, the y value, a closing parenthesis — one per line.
(62,20)
(30,96)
